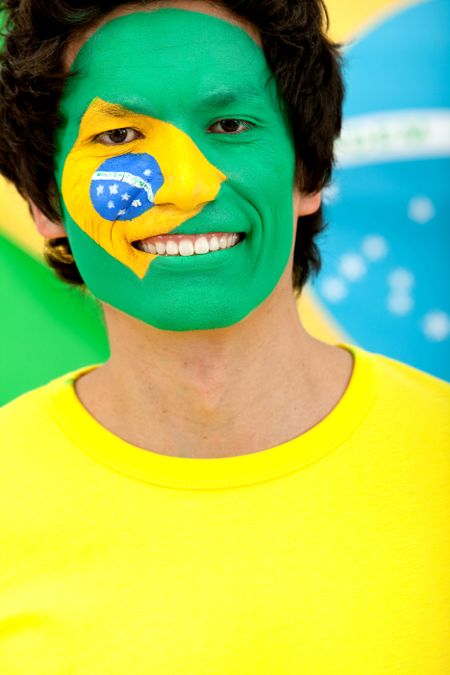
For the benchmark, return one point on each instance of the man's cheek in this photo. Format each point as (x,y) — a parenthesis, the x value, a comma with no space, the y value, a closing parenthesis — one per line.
(268,193)
(118,198)
(108,199)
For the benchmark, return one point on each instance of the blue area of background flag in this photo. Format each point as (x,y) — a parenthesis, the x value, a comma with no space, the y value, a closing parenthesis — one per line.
(403,64)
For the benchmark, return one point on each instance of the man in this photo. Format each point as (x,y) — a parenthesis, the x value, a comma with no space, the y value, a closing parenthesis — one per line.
(226,494)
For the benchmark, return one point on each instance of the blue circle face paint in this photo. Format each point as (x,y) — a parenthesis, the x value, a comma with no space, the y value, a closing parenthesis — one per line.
(124,187)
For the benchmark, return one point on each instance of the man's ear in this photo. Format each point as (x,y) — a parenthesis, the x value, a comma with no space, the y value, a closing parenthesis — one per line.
(47,228)
(306,203)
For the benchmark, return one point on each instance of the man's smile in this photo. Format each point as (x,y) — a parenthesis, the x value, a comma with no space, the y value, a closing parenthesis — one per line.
(189,244)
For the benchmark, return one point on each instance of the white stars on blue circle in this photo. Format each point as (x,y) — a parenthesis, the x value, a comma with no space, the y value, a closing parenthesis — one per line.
(436,326)
(352,266)
(124,187)
(331,194)
(401,280)
(334,289)
(400,304)
(421,210)
(375,247)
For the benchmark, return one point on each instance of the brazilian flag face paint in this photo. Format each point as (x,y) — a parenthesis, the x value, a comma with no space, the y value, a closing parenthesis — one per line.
(111,191)
(168,79)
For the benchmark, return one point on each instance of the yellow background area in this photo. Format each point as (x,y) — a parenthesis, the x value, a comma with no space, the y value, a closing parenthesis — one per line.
(348,18)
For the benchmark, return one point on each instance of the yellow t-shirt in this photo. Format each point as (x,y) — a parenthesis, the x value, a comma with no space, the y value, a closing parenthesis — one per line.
(326,555)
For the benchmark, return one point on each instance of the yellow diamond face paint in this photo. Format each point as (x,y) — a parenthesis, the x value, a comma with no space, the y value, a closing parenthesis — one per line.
(172,125)
(161,181)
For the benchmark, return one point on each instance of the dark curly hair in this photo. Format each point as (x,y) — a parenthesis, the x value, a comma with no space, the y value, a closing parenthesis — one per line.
(305,62)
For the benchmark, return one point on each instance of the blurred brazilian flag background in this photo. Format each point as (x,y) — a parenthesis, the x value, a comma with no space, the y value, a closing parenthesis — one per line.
(385,279)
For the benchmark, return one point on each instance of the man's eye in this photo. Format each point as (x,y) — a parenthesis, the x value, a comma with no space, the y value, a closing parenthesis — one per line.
(118,136)
(230,126)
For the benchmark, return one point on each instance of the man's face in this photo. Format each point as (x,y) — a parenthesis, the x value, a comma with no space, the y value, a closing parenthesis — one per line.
(174,127)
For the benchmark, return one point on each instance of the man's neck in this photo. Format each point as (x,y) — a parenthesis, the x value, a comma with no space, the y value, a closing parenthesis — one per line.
(220,393)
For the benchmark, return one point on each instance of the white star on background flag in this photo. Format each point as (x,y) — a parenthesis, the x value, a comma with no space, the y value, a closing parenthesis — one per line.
(99,189)
(110,205)
(113,189)
(136,203)
(125,197)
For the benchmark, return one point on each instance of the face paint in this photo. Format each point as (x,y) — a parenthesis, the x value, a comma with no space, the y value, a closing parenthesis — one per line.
(178,173)
(111,195)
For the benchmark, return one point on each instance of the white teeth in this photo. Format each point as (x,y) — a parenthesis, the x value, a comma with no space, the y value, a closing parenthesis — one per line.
(186,247)
(172,248)
(201,246)
(214,244)
(149,248)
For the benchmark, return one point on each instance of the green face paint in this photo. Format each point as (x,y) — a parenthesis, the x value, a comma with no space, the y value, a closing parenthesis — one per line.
(170,76)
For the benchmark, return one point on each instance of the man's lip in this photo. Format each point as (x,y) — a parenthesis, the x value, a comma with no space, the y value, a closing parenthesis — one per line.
(179,237)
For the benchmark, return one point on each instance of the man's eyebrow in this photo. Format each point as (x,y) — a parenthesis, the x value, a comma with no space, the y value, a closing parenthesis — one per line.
(113,109)
(224,97)
(216,99)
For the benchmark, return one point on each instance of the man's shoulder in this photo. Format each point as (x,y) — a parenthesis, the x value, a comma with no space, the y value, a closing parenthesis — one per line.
(31,411)
(410,381)
(27,403)
(25,417)
(409,403)
(26,430)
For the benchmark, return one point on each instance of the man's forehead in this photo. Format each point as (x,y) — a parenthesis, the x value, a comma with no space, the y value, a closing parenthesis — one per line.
(204,7)
(170,56)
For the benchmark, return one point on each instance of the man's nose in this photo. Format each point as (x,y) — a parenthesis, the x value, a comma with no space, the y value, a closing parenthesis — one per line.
(190,180)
